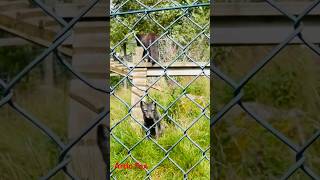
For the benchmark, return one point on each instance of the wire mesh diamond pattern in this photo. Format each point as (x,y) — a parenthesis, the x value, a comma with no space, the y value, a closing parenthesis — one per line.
(297,24)
(7,90)
(167,19)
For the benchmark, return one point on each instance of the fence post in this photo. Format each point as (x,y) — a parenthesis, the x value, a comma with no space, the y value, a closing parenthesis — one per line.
(139,79)
(89,58)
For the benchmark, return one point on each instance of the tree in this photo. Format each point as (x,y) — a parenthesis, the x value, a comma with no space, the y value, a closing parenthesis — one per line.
(175,23)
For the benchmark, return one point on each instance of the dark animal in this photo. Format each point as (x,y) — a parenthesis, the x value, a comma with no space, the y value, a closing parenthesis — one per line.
(147,40)
(151,116)
(103,144)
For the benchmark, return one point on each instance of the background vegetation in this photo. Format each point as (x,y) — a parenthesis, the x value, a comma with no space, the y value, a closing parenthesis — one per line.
(185,154)
(173,24)
(286,94)
(174,45)
(25,152)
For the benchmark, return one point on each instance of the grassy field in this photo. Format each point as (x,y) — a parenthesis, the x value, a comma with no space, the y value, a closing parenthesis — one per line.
(185,154)
(25,152)
(242,149)
(286,94)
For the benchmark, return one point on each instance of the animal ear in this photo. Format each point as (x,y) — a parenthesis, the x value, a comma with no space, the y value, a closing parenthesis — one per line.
(101,132)
(142,103)
(154,104)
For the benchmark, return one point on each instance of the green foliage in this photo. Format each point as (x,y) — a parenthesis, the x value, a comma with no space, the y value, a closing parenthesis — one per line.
(180,108)
(13,60)
(25,152)
(114,80)
(185,153)
(182,30)
(289,84)
(289,80)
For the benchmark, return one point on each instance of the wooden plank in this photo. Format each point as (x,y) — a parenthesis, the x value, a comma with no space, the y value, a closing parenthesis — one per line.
(85,104)
(43,21)
(86,158)
(13,5)
(86,39)
(85,50)
(260,24)
(86,96)
(260,31)
(29,32)
(29,13)
(91,27)
(91,64)
(175,64)
(72,10)
(13,42)
(118,71)
(178,72)
(259,9)
(34,39)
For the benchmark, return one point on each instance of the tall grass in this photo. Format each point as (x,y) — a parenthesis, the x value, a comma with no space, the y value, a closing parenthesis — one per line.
(183,111)
(289,85)
(26,153)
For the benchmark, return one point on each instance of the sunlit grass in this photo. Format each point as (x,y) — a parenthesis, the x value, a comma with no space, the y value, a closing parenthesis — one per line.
(25,152)
(182,151)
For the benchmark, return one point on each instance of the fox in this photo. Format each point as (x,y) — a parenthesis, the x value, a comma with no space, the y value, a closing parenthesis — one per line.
(102,141)
(147,39)
(151,116)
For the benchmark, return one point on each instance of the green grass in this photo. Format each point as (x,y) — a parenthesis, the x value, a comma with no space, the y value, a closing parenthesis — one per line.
(25,152)
(185,154)
(289,83)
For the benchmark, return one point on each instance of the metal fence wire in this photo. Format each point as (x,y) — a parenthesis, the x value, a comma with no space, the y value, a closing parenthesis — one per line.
(297,24)
(7,90)
(164,68)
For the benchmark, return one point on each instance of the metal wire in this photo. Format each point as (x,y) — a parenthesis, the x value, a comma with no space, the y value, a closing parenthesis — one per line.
(64,160)
(146,13)
(7,91)
(297,23)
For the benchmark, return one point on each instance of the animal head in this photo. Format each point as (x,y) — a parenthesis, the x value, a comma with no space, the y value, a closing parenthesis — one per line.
(149,110)
(103,144)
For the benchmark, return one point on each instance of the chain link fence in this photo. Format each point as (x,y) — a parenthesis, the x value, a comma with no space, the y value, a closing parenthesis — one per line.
(7,90)
(183,150)
(300,163)
(177,83)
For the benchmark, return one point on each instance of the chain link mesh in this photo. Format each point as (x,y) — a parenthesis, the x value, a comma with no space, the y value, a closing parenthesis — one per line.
(167,19)
(238,90)
(7,90)
(167,34)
